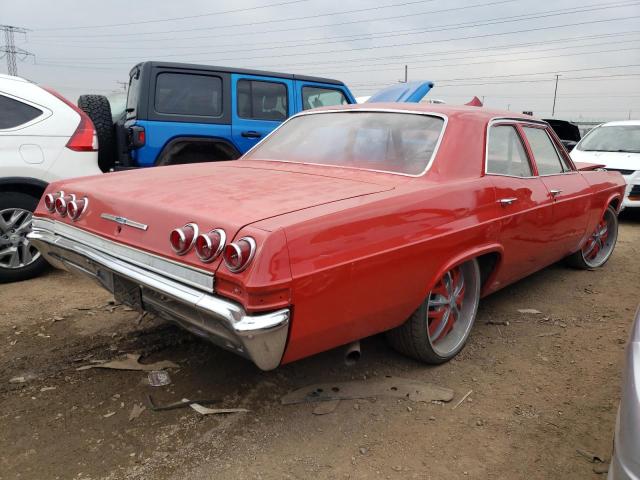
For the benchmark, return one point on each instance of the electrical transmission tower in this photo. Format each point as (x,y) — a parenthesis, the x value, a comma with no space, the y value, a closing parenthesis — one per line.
(9,49)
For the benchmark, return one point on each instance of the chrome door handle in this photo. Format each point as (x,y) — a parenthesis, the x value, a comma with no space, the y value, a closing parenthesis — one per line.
(506,201)
(555,192)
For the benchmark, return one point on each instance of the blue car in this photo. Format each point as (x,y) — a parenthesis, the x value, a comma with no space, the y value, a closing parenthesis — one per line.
(182,113)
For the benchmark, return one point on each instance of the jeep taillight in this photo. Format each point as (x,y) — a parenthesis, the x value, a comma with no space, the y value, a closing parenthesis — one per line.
(238,255)
(84,139)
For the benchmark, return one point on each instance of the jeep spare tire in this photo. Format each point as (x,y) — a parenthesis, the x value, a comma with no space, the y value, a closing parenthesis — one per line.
(98,109)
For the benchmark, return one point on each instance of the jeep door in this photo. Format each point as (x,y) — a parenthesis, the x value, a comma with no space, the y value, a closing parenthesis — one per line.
(259,105)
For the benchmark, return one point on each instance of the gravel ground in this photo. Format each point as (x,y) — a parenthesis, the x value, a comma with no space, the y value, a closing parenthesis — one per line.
(543,385)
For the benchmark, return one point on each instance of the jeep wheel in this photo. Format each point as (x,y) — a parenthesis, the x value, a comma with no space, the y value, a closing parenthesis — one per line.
(98,109)
(19,260)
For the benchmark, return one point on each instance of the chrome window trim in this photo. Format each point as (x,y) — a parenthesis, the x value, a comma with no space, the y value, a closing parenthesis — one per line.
(514,121)
(192,276)
(383,110)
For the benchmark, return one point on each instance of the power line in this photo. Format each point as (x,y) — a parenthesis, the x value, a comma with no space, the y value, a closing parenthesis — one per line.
(598,6)
(171,19)
(280,20)
(9,49)
(448,27)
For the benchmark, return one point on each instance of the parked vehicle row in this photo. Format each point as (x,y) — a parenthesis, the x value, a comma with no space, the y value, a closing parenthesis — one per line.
(345,222)
(615,146)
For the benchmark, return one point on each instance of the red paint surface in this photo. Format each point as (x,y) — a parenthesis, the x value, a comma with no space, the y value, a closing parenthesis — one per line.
(355,252)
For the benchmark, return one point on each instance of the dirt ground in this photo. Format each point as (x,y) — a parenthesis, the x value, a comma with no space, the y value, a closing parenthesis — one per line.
(543,386)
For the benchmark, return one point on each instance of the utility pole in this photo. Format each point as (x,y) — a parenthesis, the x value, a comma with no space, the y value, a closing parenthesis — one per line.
(555,94)
(406,74)
(124,85)
(9,49)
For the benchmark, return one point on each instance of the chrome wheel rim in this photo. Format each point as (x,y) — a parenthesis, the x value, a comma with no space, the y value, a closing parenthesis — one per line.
(451,309)
(599,246)
(16,250)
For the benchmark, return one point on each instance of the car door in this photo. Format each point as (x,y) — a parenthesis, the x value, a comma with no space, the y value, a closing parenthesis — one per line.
(523,206)
(566,187)
(259,105)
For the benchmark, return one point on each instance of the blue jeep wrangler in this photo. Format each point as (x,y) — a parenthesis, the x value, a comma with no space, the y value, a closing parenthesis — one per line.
(181,113)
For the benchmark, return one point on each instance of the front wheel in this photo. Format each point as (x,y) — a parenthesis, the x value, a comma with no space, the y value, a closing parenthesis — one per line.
(19,260)
(599,246)
(439,328)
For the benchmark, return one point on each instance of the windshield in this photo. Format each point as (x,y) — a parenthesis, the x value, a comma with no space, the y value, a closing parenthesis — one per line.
(383,141)
(615,138)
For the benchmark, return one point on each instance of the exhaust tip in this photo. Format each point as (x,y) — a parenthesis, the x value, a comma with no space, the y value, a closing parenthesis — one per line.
(352,354)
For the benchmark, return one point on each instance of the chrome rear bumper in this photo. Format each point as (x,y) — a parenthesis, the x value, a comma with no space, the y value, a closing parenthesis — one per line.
(260,338)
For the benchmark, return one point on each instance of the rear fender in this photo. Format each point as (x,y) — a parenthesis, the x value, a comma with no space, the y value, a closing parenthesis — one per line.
(465,256)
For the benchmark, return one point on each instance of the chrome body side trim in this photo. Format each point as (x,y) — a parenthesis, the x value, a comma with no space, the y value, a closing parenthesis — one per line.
(194,277)
(260,338)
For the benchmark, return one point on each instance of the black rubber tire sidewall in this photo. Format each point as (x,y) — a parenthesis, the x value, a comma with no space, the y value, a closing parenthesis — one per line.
(98,109)
(26,202)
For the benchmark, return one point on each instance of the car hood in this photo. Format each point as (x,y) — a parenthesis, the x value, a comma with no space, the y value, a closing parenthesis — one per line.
(227,195)
(617,160)
(411,92)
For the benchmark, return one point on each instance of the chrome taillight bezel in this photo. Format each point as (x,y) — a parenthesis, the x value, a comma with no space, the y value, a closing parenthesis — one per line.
(79,211)
(184,248)
(206,236)
(51,198)
(63,200)
(243,265)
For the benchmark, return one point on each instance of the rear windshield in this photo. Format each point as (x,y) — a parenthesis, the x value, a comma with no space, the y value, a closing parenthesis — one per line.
(383,141)
(614,138)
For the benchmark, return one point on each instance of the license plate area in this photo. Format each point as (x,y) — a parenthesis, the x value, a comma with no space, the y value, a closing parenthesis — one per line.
(127,292)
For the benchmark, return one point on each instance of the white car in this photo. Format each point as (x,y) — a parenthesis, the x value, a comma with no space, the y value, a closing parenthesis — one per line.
(616,145)
(43,138)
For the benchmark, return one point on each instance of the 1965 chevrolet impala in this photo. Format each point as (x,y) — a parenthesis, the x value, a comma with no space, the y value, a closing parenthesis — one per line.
(341,224)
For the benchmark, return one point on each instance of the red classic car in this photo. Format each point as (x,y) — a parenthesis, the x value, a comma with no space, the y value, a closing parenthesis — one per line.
(341,224)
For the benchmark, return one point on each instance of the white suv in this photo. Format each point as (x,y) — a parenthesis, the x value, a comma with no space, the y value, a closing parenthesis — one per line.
(43,138)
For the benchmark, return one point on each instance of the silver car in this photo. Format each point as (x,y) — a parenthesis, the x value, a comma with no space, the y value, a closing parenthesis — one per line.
(625,461)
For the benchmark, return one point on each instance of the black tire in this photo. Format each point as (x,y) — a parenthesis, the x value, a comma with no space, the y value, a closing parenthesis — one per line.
(412,337)
(580,258)
(98,109)
(17,200)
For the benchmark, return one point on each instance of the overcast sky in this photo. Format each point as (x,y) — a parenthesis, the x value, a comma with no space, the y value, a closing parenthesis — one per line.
(507,51)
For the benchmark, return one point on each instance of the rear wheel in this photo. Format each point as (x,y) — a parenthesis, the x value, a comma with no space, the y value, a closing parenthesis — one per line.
(600,244)
(19,260)
(98,109)
(439,328)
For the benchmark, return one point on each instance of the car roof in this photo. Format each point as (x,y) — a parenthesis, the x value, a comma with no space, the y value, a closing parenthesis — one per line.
(243,71)
(478,113)
(14,78)
(621,123)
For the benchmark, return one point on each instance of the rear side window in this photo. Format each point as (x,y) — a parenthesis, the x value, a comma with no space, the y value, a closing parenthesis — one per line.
(259,100)
(506,154)
(14,113)
(314,97)
(188,94)
(544,152)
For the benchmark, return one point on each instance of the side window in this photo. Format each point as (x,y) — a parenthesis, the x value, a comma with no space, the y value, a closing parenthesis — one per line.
(506,154)
(544,152)
(188,94)
(259,100)
(15,113)
(313,97)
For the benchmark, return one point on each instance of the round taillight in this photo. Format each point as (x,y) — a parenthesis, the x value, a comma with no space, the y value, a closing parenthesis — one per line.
(238,255)
(182,239)
(75,208)
(50,200)
(209,245)
(61,206)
